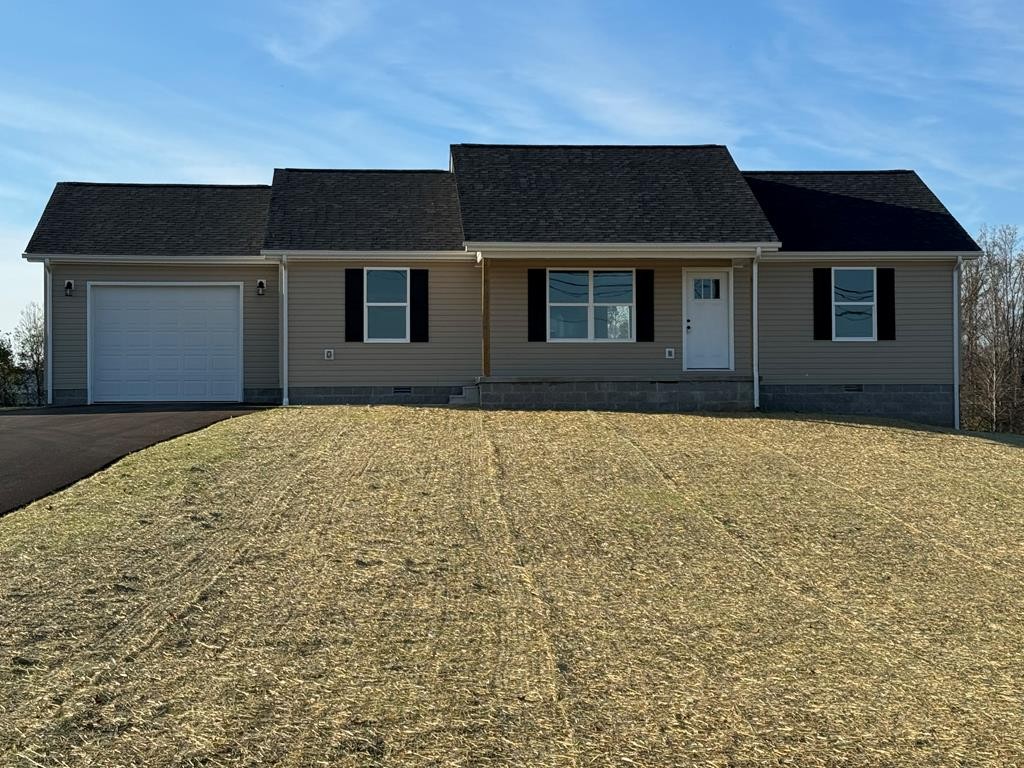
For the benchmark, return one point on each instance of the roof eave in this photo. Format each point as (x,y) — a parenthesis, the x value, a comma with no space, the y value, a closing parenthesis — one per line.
(861,255)
(276,254)
(182,260)
(511,250)
(476,245)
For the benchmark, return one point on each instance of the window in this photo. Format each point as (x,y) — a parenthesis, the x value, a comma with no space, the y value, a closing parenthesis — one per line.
(387,305)
(707,288)
(853,304)
(590,305)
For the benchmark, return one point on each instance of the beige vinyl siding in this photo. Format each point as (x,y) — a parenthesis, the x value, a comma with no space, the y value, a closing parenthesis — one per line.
(922,352)
(316,321)
(259,313)
(513,356)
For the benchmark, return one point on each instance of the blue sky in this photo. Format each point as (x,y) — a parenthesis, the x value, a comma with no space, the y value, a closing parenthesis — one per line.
(220,91)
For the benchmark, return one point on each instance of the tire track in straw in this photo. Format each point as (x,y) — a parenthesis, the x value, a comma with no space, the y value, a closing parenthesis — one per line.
(203,572)
(495,472)
(797,587)
(910,526)
(304,739)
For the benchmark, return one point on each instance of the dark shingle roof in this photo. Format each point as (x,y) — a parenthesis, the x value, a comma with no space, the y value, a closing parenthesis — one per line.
(856,211)
(605,194)
(343,210)
(152,220)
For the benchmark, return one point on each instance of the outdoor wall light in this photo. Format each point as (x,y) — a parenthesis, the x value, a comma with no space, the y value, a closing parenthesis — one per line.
(261,287)
(69,287)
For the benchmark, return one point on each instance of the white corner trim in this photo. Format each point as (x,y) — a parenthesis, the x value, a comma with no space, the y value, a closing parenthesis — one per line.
(282,271)
(48,319)
(755,360)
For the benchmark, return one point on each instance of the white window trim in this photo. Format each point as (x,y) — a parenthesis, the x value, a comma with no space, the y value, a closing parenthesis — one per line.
(368,304)
(873,304)
(730,296)
(590,305)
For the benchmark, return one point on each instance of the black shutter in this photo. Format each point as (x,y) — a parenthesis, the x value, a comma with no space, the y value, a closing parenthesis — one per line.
(419,310)
(823,304)
(886,299)
(645,305)
(353,305)
(537,305)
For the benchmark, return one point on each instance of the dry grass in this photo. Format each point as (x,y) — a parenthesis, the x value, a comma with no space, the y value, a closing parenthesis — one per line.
(397,586)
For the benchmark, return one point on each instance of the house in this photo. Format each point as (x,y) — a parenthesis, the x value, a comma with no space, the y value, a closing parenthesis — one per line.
(656,277)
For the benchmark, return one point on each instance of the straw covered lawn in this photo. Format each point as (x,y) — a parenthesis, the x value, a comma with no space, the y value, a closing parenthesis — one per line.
(393,586)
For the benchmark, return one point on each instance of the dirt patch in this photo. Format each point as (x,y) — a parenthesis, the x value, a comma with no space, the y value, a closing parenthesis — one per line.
(400,586)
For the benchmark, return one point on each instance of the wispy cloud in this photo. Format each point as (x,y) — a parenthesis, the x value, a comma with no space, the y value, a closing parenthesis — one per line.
(318,25)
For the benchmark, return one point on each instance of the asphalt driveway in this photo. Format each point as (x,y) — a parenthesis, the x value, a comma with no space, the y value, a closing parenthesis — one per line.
(45,449)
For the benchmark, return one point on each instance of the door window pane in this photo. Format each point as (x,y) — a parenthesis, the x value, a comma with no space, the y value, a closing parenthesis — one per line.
(569,322)
(854,322)
(854,285)
(707,288)
(385,322)
(613,287)
(386,286)
(568,287)
(613,322)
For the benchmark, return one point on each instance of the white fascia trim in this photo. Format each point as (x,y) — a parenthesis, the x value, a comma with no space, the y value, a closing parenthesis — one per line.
(591,248)
(870,256)
(369,255)
(187,261)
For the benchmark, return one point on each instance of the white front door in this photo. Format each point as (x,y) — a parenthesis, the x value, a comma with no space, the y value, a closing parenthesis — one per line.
(161,342)
(706,312)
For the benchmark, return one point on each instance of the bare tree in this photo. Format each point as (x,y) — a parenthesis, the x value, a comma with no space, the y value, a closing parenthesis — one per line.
(992,328)
(10,374)
(30,349)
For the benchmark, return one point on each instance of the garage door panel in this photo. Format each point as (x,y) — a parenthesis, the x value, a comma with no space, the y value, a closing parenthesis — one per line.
(165,342)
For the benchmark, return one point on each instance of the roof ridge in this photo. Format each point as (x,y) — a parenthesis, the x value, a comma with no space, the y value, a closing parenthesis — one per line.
(594,146)
(159,184)
(834,171)
(364,170)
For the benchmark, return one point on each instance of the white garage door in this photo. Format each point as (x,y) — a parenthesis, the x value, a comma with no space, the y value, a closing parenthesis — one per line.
(165,342)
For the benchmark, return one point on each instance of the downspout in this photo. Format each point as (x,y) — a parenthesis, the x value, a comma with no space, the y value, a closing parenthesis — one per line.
(753,331)
(283,273)
(48,319)
(956,342)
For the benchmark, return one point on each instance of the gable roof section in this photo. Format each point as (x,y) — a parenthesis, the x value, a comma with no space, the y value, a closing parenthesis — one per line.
(605,194)
(173,220)
(832,211)
(351,210)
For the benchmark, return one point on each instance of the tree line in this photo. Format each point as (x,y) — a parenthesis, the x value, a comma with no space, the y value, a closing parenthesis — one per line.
(992,333)
(22,360)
